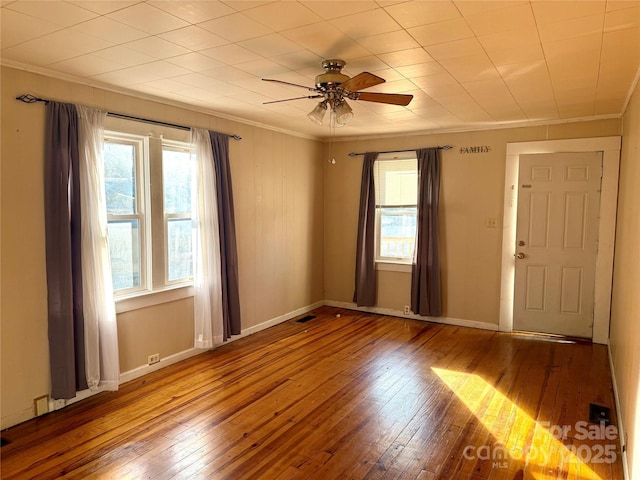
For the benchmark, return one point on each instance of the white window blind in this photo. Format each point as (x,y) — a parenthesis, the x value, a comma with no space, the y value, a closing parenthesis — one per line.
(396,182)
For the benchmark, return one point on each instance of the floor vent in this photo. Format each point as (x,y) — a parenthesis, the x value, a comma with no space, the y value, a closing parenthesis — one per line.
(306,319)
(599,414)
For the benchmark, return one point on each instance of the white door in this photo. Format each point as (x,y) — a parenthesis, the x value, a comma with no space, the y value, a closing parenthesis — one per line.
(556,243)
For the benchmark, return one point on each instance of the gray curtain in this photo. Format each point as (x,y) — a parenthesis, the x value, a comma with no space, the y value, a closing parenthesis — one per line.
(63,254)
(425,272)
(365,291)
(227,227)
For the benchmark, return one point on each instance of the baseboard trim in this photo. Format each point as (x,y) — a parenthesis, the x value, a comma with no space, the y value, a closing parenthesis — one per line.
(458,322)
(616,398)
(165,362)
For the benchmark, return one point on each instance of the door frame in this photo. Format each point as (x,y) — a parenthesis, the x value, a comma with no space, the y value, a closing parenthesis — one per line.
(610,148)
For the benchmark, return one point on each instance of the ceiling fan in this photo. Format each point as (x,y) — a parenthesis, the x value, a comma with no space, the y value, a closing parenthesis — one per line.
(334,88)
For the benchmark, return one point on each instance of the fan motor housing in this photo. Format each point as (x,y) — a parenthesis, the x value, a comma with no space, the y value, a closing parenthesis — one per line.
(333,76)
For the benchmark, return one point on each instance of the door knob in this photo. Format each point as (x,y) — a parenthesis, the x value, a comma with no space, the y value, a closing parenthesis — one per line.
(520,255)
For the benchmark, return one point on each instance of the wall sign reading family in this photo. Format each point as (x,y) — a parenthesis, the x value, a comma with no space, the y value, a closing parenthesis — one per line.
(475,149)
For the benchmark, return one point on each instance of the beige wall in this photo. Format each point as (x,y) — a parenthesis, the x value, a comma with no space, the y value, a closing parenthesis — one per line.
(278,195)
(472,186)
(625,302)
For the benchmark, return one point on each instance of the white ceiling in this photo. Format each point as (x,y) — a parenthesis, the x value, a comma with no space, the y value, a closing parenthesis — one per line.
(469,64)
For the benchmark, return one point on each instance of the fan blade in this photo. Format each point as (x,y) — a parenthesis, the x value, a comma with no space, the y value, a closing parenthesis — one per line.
(392,98)
(289,99)
(361,81)
(311,89)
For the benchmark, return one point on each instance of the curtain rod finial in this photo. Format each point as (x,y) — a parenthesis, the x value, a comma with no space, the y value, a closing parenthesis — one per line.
(28,98)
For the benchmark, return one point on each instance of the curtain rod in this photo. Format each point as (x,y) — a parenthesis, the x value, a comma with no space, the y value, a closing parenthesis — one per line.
(445,147)
(28,98)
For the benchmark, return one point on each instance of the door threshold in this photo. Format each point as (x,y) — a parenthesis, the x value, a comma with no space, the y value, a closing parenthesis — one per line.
(551,337)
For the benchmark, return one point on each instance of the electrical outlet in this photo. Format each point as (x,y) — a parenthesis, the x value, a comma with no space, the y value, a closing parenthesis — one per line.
(155,358)
(407,310)
(491,223)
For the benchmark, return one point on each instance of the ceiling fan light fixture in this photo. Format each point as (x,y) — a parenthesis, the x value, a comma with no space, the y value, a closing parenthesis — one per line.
(317,114)
(343,113)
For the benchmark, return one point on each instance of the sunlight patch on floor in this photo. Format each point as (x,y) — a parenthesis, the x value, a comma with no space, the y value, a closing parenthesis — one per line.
(518,437)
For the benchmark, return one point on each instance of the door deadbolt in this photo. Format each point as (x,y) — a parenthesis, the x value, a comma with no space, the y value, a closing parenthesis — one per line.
(521,243)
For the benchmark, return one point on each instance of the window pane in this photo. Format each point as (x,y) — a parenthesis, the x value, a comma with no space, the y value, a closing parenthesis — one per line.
(179,249)
(176,173)
(120,178)
(397,232)
(124,247)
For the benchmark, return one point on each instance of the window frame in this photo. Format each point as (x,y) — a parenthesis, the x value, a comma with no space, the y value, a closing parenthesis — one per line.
(402,262)
(141,162)
(181,147)
(149,144)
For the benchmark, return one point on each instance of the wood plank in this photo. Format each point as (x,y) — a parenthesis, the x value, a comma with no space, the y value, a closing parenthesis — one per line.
(350,397)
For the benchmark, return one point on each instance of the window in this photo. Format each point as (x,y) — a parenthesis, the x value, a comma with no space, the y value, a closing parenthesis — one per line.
(396,182)
(148,194)
(177,212)
(124,192)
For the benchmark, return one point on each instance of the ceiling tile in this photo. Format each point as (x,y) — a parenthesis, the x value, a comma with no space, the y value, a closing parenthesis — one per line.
(59,13)
(613,5)
(413,14)
(231,54)
(124,56)
(622,19)
(110,30)
(403,58)
(228,74)
(446,31)
(512,17)
(388,42)
(302,59)
(127,76)
(469,68)
(194,38)
(200,81)
(236,27)
(442,85)
(157,47)
(86,65)
(614,43)
(421,70)
(571,28)
(551,12)
(194,11)
(18,27)
(458,48)
(55,47)
(521,38)
(148,19)
(196,62)
(370,63)
(473,7)
(271,45)
(327,41)
(366,24)
(511,55)
(262,67)
(328,9)
(274,16)
(241,5)
(104,6)
(166,84)
(165,69)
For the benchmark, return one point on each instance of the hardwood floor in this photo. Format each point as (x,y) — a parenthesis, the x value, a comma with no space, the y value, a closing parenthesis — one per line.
(350,397)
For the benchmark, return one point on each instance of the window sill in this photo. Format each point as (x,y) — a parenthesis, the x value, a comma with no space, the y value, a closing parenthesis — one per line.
(149,299)
(388,266)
